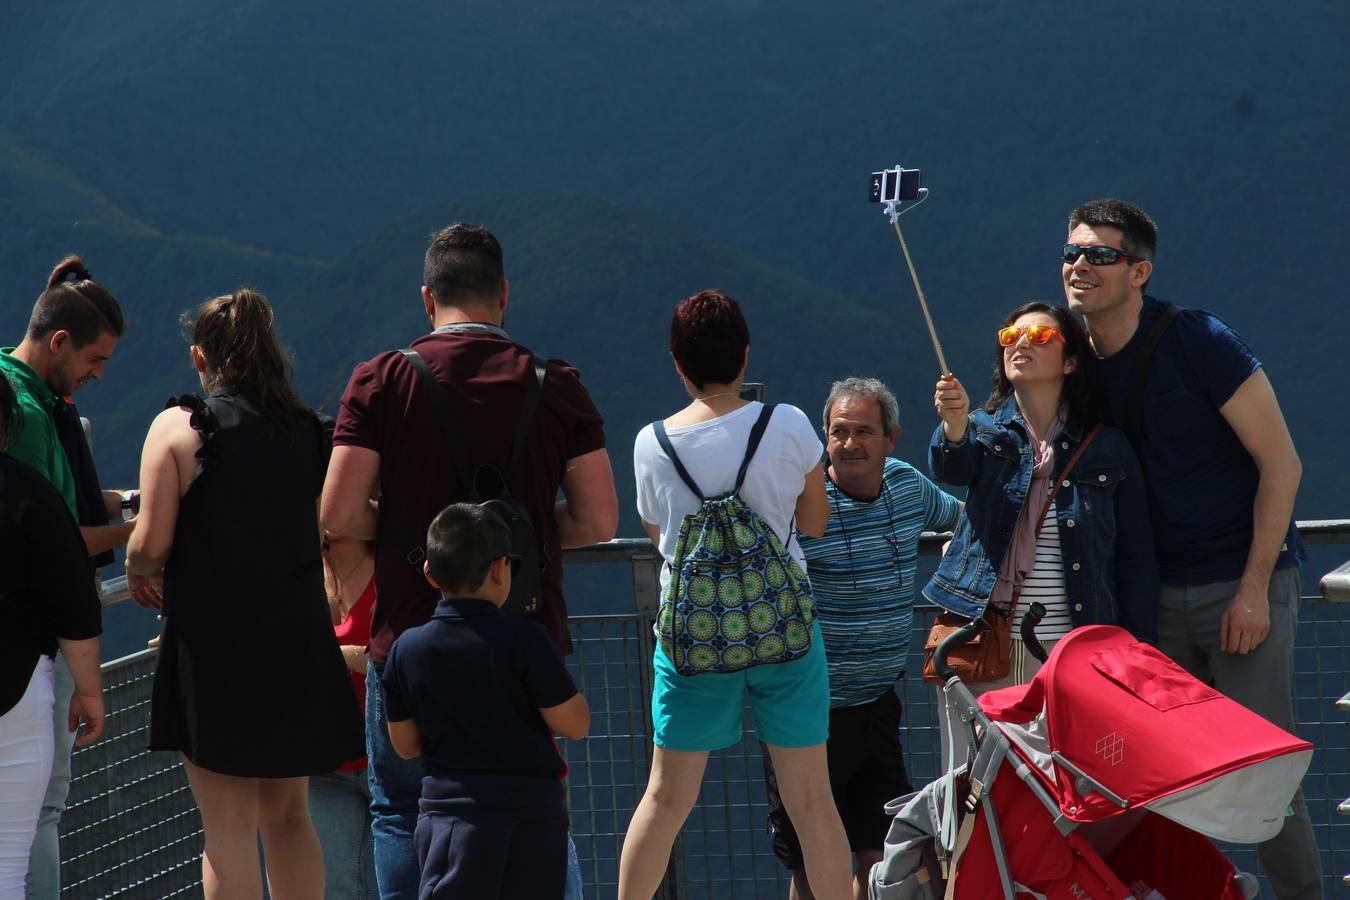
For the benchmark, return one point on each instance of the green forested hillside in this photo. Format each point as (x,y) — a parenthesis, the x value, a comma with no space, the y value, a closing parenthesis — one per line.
(595,282)
(629,155)
(47,213)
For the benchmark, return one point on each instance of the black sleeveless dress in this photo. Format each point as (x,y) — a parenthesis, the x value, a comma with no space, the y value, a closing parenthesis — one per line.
(250,681)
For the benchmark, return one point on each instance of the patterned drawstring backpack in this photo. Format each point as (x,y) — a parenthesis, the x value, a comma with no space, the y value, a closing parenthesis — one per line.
(736,598)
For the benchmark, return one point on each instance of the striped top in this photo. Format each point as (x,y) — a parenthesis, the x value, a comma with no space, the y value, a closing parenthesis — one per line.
(1045,584)
(862,577)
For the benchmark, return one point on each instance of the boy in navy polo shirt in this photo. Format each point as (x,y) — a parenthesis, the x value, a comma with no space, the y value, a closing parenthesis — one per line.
(478,694)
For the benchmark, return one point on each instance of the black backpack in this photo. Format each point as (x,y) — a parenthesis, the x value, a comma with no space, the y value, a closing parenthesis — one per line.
(488,486)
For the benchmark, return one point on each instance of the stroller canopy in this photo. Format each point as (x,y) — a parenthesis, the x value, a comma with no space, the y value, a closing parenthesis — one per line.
(1119,712)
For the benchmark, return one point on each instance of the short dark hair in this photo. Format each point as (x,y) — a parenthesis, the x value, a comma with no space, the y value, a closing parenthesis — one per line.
(8,407)
(1080,392)
(708,337)
(1139,233)
(463,265)
(462,543)
(76,303)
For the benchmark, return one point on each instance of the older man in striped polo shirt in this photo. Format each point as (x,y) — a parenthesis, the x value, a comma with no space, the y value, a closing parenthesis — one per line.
(862,576)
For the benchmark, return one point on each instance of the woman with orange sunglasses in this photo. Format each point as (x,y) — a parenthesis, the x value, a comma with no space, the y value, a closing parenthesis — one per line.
(1079,542)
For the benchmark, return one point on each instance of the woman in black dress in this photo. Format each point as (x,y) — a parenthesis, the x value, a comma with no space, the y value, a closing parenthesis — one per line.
(250,686)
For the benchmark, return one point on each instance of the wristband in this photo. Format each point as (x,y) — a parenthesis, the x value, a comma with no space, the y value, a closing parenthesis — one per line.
(131,502)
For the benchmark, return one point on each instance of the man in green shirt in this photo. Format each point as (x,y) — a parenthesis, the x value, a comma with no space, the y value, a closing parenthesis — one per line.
(71,335)
(35,441)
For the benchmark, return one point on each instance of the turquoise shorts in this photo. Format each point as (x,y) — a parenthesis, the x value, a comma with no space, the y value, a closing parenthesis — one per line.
(791,703)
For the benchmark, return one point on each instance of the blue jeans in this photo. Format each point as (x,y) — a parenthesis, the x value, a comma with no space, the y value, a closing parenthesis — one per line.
(395,786)
(44,861)
(574,888)
(339,804)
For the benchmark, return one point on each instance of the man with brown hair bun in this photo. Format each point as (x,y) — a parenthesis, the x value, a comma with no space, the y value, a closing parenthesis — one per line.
(71,335)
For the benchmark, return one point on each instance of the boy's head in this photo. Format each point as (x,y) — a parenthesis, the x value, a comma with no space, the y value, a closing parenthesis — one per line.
(469,553)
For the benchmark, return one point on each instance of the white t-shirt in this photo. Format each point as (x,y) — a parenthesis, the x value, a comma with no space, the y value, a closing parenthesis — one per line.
(712,452)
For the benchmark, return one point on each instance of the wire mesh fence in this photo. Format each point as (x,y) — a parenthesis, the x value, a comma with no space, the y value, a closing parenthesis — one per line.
(132,830)
(724,849)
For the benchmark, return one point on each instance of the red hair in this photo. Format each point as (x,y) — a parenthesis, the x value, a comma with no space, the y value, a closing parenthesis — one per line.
(708,337)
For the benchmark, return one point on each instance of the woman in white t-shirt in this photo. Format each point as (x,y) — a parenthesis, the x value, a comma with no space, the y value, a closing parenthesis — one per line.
(693,715)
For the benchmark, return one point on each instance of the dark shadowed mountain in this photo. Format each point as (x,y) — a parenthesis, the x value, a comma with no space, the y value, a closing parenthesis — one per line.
(629,155)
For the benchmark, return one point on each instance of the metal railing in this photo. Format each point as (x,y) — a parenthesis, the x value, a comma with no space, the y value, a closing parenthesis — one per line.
(132,829)
(1336,588)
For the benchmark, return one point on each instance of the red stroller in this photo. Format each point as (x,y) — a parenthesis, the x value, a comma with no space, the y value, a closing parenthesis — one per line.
(1125,766)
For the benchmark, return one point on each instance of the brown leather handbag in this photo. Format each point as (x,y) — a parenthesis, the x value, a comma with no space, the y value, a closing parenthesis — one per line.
(986,656)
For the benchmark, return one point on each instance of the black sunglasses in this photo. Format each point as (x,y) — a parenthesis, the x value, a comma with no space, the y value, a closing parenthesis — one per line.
(1096,255)
(515,563)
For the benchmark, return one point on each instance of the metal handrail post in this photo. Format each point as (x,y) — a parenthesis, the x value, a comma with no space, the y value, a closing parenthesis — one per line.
(1335,588)
(647,604)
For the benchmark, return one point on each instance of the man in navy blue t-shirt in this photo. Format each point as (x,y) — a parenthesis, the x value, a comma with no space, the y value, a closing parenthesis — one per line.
(478,695)
(1222,474)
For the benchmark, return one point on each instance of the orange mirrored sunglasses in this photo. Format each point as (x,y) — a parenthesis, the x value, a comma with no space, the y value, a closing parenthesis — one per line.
(1036,334)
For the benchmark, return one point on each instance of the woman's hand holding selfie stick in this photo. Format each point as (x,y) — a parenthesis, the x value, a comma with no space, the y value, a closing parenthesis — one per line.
(953,407)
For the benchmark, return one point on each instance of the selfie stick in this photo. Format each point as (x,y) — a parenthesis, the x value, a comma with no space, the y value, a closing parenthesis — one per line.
(893,211)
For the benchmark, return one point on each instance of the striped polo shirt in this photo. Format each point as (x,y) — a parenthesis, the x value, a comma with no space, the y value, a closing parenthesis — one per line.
(862,577)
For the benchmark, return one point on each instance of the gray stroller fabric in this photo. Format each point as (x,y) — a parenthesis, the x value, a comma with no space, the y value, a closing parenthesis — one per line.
(909,868)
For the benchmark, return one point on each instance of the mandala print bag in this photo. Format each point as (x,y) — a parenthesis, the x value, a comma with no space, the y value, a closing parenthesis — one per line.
(736,598)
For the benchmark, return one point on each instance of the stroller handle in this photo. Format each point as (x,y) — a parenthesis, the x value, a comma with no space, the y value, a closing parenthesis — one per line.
(960,636)
(1030,619)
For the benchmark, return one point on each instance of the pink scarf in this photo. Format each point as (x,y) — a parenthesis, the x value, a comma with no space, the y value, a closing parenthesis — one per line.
(1021,555)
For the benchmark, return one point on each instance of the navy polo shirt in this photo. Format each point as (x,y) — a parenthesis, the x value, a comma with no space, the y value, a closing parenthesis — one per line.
(474,680)
(1201,480)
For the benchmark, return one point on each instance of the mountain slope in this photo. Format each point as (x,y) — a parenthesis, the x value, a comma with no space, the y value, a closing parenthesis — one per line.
(302,128)
(595,282)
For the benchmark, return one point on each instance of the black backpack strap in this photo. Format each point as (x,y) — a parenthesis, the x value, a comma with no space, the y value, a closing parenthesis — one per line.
(1133,426)
(756,434)
(534,387)
(437,394)
(664,440)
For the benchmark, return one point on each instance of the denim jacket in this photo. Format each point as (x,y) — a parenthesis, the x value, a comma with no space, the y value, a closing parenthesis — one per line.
(1110,570)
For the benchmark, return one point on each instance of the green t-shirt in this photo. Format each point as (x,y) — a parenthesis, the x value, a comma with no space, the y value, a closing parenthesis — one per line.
(32,434)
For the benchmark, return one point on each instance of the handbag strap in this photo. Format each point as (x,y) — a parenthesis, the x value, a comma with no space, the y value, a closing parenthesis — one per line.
(1062,480)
